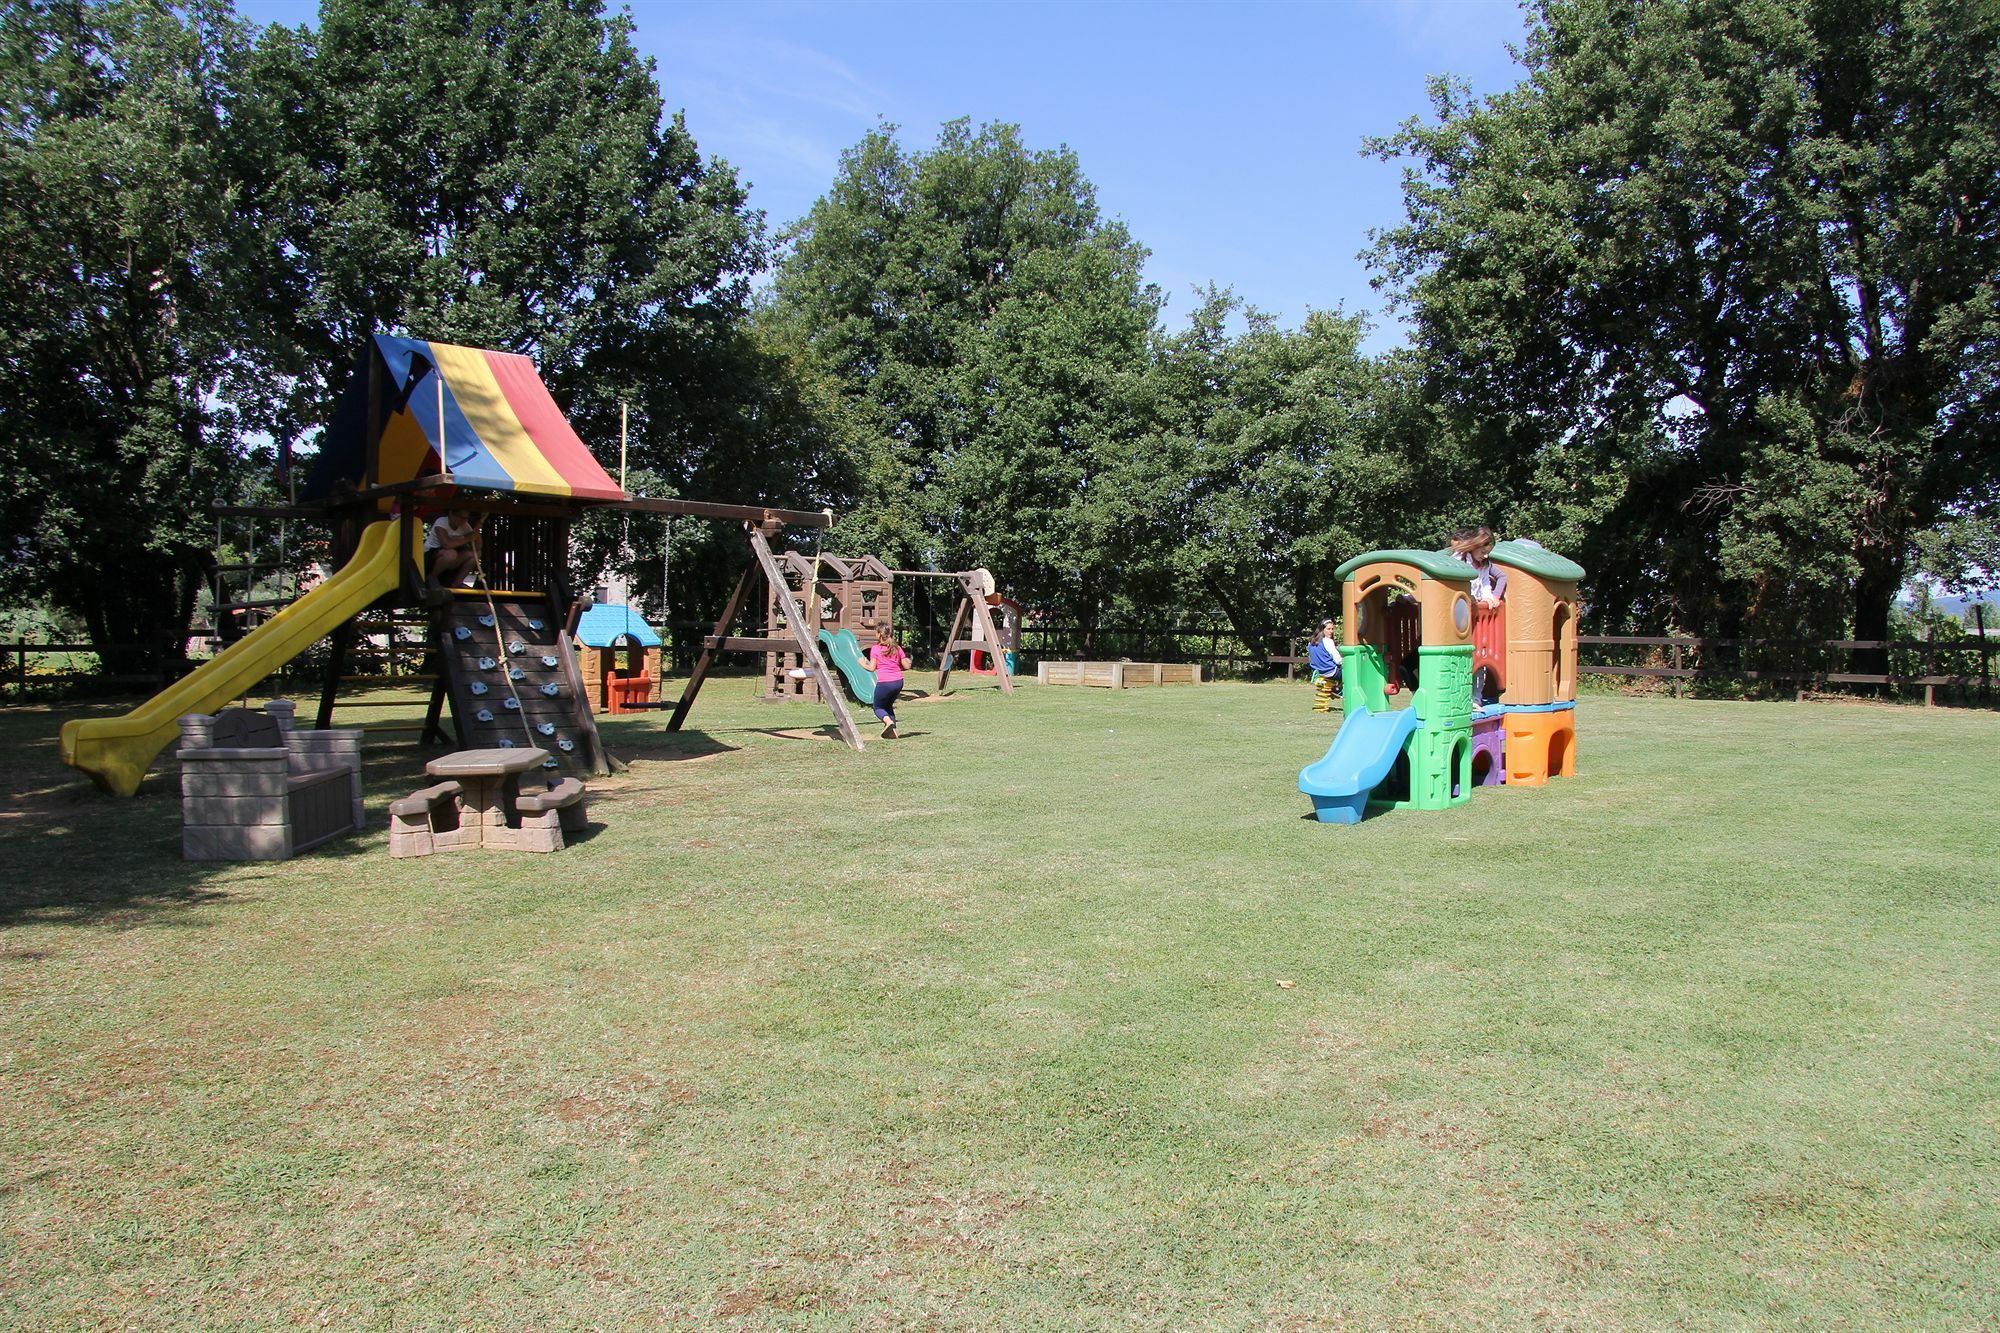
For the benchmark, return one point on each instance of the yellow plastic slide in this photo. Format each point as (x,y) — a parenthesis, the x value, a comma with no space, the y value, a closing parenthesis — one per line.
(117,751)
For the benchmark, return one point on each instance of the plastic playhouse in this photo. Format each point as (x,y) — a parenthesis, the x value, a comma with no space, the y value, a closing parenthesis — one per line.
(618,656)
(1441,695)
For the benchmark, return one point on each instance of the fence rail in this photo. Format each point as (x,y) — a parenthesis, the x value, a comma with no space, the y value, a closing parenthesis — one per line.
(1677,660)
(1911,663)
(1686,658)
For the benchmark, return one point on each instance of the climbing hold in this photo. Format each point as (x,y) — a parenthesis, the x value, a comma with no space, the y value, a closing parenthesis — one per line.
(534,624)
(550,762)
(512,705)
(461,633)
(548,661)
(550,689)
(547,728)
(486,621)
(565,744)
(478,687)
(515,645)
(486,664)
(506,744)
(517,674)
(484,715)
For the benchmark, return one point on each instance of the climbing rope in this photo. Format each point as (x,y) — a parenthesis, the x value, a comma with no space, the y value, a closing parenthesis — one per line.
(506,666)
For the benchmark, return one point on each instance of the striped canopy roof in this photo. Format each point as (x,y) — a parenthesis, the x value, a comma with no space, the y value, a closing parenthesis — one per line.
(487,415)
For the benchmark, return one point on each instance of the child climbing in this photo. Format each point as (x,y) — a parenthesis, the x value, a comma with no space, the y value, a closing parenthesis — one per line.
(888,661)
(451,550)
(1474,546)
(1324,659)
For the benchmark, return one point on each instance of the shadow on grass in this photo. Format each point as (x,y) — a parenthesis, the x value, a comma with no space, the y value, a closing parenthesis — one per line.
(84,857)
(77,854)
(655,744)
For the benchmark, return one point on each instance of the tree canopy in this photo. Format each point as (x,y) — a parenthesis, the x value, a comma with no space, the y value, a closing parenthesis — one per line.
(132,306)
(207,221)
(1712,294)
(1708,301)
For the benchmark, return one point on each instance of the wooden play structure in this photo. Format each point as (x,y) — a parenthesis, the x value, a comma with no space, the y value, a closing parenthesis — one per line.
(618,654)
(789,628)
(424,427)
(853,593)
(1441,695)
(974,627)
(841,601)
(985,660)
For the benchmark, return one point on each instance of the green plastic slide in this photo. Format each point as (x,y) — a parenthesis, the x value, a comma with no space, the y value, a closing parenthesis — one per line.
(844,651)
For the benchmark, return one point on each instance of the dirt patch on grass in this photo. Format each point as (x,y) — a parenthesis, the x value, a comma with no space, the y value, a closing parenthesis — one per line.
(748,1302)
(621,1101)
(962,1222)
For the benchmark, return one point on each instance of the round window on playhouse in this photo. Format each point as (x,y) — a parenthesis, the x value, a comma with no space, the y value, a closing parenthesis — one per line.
(1461,615)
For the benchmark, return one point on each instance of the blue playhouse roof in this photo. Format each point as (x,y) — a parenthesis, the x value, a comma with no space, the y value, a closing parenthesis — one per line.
(603,625)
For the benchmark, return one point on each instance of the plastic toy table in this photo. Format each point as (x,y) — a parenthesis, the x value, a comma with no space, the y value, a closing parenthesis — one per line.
(492,783)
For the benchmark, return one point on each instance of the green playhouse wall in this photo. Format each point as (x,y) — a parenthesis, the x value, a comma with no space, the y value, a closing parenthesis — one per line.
(1439,751)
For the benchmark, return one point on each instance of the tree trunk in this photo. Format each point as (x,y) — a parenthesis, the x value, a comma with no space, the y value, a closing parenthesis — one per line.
(1874,593)
(1251,628)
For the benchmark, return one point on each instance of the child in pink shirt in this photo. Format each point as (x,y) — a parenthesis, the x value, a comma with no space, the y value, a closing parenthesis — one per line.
(888,661)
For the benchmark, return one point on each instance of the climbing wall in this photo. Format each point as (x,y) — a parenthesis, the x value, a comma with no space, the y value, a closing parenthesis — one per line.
(525,648)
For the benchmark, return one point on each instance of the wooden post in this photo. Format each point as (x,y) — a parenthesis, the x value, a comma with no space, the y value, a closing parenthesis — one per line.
(1930,667)
(808,642)
(1677,669)
(708,648)
(343,640)
(1979,619)
(433,733)
(945,660)
(601,761)
(994,646)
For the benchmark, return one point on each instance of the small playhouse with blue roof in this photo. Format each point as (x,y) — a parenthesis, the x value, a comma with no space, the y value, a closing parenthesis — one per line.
(1441,695)
(618,656)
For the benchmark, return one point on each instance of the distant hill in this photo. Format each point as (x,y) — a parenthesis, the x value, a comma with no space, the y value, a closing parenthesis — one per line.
(1956,606)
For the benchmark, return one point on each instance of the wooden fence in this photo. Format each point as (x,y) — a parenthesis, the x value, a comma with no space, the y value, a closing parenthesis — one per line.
(1964,665)
(1803,664)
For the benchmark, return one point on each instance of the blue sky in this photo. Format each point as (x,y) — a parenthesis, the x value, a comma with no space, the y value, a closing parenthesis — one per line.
(1226,136)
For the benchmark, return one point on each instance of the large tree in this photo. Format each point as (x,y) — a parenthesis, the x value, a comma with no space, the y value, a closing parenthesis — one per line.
(134,305)
(501,173)
(988,326)
(1273,455)
(1713,294)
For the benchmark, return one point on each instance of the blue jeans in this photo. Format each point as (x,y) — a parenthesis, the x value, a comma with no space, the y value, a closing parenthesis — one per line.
(886,694)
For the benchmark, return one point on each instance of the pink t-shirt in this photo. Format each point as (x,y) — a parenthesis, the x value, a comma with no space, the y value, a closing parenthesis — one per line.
(887,663)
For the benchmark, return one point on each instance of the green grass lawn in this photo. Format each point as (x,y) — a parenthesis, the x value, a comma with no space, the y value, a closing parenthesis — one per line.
(988,1027)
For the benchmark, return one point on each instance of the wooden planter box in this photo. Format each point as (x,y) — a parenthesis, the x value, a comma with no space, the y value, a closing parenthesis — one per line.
(1118,675)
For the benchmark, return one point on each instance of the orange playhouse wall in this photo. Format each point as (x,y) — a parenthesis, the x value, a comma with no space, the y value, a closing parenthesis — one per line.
(1540,746)
(1541,656)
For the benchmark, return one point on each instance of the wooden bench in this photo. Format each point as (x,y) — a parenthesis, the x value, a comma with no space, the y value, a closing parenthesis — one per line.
(426,820)
(547,815)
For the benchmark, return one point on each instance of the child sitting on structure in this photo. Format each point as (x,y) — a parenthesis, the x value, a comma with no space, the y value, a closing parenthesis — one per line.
(888,661)
(1323,656)
(1474,546)
(451,551)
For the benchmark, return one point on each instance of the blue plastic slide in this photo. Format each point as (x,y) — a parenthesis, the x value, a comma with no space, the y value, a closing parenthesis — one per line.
(844,651)
(1362,753)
